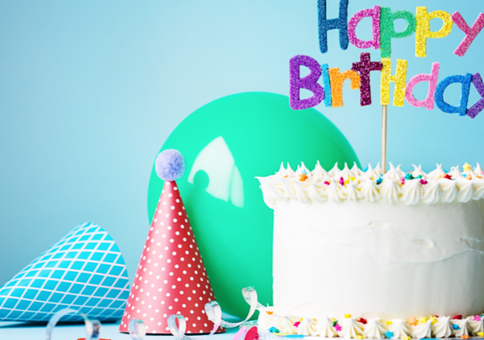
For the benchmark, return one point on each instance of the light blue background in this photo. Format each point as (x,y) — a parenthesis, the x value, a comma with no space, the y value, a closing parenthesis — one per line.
(89,91)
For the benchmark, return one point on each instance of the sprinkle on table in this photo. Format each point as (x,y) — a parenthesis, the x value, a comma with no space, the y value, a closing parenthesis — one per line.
(481,334)
(465,337)
(406,338)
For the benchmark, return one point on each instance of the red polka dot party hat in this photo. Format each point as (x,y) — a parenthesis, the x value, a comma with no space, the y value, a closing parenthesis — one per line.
(171,277)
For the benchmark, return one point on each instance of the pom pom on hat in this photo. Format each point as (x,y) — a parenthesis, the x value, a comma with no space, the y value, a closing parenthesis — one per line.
(170,165)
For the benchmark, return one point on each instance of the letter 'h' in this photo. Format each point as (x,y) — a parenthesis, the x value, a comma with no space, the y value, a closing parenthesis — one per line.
(340,23)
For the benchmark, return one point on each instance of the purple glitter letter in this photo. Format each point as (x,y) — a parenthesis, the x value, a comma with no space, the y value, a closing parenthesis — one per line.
(310,82)
(479,106)
(365,66)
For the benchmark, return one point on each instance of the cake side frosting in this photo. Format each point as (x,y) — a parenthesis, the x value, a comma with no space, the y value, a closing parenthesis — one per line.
(371,185)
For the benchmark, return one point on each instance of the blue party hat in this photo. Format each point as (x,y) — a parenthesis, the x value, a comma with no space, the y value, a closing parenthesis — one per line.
(84,271)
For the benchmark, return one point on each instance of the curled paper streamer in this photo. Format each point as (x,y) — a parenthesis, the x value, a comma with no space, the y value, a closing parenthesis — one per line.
(93,327)
(214,313)
(470,32)
(137,329)
(423,29)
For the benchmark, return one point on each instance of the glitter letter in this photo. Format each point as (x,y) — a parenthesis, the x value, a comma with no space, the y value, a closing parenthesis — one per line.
(432,78)
(355,20)
(310,82)
(340,23)
(471,33)
(400,79)
(439,95)
(327,85)
(387,28)
(337,81)
(423,29)
(479,106)
(365,66)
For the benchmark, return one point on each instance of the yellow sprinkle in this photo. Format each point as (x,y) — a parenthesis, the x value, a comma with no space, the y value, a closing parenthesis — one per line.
(347,316)
(406,338)
(388,323)
(347,181)
(423,320)
(481,334)
(359,337)
(400,80)
(434,320)
(353,178)
(467,167)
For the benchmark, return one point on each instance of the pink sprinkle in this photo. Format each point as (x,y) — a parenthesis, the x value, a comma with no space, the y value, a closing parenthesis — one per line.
(327,183)
(341,181)
(337,327)
(477,318)
(423,181)
(296,324)
(403,180)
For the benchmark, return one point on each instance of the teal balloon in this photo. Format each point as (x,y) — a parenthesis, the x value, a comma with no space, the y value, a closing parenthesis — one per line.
(226,144)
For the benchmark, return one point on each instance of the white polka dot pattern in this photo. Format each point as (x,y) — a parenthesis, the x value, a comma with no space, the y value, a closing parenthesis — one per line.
(171,276)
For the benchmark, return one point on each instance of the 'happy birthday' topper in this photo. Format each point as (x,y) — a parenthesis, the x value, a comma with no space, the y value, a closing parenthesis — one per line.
(383,32)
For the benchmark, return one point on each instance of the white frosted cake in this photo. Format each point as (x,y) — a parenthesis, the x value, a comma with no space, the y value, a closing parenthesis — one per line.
(370,255)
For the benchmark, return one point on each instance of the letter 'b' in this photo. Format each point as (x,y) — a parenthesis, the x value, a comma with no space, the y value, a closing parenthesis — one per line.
(310,82)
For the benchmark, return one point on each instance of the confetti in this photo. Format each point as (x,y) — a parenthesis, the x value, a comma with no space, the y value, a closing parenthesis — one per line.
(309,82)
(423,31)
(399,79)
(337,80)
(327,85)
(374,14)
(364,67)
(476,318)
(387,28)
(423,320)
(439,94)
(432,79)
(340,23)
(471,33)
(479,106)
(274,330)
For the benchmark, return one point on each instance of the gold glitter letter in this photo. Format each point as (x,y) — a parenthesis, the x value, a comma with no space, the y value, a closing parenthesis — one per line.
(423,29)
(400,80)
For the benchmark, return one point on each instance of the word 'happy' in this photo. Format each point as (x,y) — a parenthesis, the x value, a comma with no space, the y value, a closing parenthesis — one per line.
(383,31)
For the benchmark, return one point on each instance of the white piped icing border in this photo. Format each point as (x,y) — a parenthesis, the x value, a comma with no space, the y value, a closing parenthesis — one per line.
(353,184)
(350,328)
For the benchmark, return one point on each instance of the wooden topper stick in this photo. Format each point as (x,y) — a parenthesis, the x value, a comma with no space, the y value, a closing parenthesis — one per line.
(384,140)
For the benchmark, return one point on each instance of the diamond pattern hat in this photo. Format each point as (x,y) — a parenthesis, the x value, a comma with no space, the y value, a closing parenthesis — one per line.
(171,277)
(83,271)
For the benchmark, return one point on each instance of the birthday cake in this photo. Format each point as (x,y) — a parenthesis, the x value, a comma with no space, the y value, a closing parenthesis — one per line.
(361,254)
